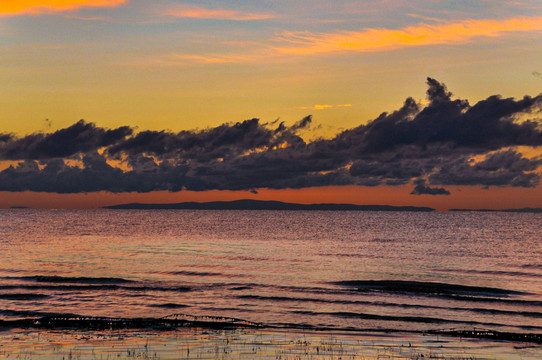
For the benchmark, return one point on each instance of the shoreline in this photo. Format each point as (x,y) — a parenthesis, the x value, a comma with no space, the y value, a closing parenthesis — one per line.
(251,343)
(176,322)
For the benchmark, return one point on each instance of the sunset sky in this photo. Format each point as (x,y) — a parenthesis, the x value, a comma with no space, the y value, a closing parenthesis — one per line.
(284,100)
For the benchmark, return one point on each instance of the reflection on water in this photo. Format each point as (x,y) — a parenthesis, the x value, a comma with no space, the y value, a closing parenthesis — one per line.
(343,269)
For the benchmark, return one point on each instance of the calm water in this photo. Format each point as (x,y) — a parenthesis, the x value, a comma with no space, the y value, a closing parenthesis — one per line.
(362,270)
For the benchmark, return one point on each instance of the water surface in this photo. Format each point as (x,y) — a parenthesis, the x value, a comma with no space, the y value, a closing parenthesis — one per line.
(324,269)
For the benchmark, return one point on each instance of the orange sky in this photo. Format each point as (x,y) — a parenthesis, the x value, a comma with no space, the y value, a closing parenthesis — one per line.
(179,65)
(37,7)
(472,197)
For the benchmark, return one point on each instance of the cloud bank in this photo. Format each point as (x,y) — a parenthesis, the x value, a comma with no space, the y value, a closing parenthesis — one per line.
(448,142)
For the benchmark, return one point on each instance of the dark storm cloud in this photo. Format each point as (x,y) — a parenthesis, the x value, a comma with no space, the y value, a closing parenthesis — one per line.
(302,124)
(489,124)
(447,142)
(505,168)
(5,137)
(78,138)
(422,189)
(206,145)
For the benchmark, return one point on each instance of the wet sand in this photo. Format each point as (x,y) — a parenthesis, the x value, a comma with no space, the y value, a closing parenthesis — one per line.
(194,343)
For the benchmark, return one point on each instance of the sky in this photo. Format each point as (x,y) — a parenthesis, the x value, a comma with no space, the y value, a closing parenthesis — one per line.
(422,102)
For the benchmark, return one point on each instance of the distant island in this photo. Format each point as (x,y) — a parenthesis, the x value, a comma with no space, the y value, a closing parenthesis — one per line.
(522,210)
(265,205)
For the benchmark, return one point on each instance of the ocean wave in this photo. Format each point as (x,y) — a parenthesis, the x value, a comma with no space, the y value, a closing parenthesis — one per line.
(96,287)
(490,300)
(169,306)
(175,321)
(23,296)
(32,313)
(241,288)
(532,266)
(410,319)
(532,314)
(195,273)
(425,288)
(493,272)
(71,279)
(71,321)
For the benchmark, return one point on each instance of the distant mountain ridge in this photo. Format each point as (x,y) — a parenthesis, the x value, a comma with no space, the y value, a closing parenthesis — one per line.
(247,204)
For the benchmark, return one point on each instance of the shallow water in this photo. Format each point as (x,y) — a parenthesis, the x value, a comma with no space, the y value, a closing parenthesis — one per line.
(325,269)
(251,344)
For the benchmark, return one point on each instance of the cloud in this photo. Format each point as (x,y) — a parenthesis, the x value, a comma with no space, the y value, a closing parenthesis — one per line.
(503,168)
(422,189)
(195,12)
(445,142)
(323,106)
(5,137)
(177,59)
(38,7)
(224,141)
(489,124)
(381,39)
(304,43)
(78,138)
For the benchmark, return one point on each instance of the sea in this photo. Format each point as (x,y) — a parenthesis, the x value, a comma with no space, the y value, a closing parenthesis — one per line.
(344,270)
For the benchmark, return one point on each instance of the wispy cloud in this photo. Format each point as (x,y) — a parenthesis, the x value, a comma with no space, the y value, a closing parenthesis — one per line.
(38,7)
(180,59)
(195,12)
(324,106)
(288,45)
(86,18)
(426,18)
(379,39)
